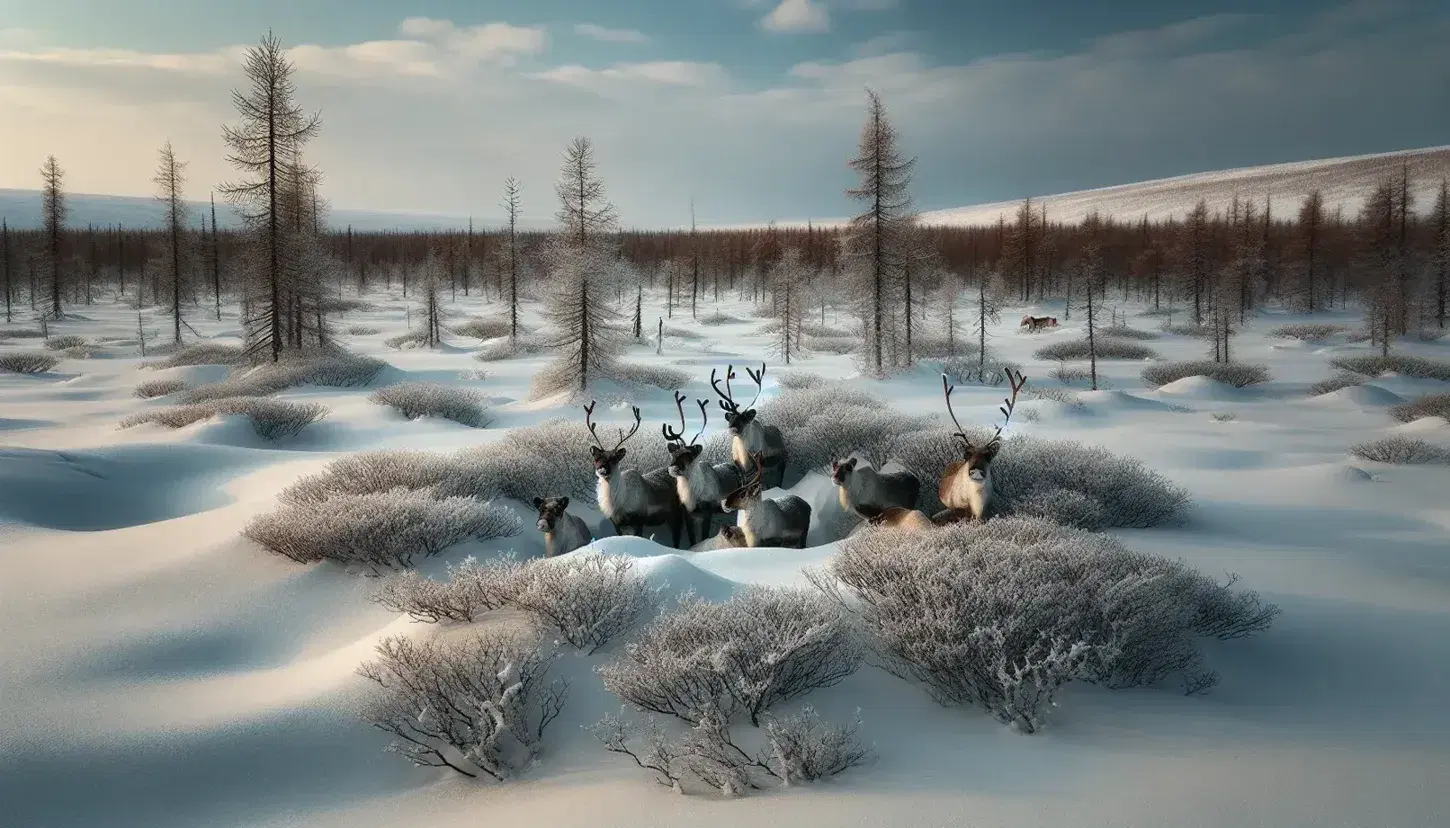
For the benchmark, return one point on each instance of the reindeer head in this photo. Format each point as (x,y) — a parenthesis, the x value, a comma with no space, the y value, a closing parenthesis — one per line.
(682,453)
(550,510)
(730,537)
(841,470)
(736,418)
(978,456)
(606,460)
(749,492)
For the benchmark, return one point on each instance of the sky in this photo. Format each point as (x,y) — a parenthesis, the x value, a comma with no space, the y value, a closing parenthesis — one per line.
(750,109)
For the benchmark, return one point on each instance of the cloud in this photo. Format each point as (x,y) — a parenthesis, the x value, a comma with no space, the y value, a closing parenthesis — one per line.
(678,73)
(798,16)
(608,35)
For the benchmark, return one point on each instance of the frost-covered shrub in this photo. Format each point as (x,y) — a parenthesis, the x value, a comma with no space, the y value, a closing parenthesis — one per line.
(160,388)
(1001,614)
(202,353)
(1343,379)
(1307,331)
(380,530)
(587,597)
(371,472)
(1053,394)
(1401,450)
(1195,331)
(763,646)
(1410,366)
(968,368)
(481,327)
(62,343)
(837,345)
(719,318)
(339,305)
(27,362)
(1224,416)
(657,376)
(831,421)
(1122,331)
(1034,476)
(331,371)
(478,705)
(471,589)
(682,333)
(1430,405)
(508,349)
(20,333)
(800,380)
(271,419)
(410,339)
(1106,347)
(363,330)
(1229,373)
(432,399)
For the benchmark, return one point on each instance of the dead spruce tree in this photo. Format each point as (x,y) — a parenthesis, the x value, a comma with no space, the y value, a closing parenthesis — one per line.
(581,264)
(1311,248)
(512,201)
(875,238)
(788,284)
(1382,259)
(170,180)
(266,148)
(1092,276)
(52,200)
(1440,255)
(6,279)
(1193,253)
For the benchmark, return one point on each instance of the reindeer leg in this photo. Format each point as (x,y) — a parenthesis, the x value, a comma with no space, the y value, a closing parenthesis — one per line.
(682,518)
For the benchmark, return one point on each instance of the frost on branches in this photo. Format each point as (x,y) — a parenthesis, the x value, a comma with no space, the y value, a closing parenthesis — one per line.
(588,598)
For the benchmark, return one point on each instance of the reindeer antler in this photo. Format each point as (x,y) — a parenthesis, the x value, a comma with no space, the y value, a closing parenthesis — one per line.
(704,420)
(1017,380)
(727,400)
(947,390)
(624,438)
(593,427)
(671,435)
(758,377)
(589,421)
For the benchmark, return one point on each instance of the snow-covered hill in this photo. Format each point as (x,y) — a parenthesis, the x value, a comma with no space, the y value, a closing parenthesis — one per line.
(1343,181)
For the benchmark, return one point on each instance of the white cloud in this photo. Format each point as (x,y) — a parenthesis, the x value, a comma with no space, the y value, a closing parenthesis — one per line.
(796,16)
(609,35)
(678,73)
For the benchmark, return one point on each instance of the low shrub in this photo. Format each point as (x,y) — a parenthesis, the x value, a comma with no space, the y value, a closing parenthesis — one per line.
(503,349)
(411,339)
(160,388)
(799,380)
(1064,396)
(478,705)
(363,330)
(1106,347)
(655,376)
(1195,331)
(1409,366)
(1401,450)
(968,368)
(587,597)
(831,421)
(329,371)
(1430,405)
(432,399)
(1122,331)
(62,343)
(764,646)
(380,531)
(470,590)
(338,305)
(1236,374)
(1344,379)
(203,353)
(271,419)
(372,472)
(682,333)
(27,362)
(21,333)
(1308,331)
(481,327)
(947,609)
(719,318)
(1224,416)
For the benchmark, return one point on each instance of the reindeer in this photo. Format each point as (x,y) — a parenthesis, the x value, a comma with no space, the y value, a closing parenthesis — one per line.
(563,532)
(749,437)
(1036,323)
(966,487)
(867,492)
(781,521)
(629,498)
(700,486)
(730,537)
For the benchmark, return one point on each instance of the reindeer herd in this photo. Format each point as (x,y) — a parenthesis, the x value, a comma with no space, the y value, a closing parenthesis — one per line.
(688,494)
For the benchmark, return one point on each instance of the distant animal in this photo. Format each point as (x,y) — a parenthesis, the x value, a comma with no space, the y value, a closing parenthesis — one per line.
(629,498)
(781,521)
(864,488)
(563,532)
(748,436)
(1034,323)
(966,488)
(700,486)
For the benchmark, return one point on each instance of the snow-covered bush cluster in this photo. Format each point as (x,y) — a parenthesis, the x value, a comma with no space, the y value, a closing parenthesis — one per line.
(1000,614)
(740,657)
(64,343)
(719,318)
(1430,405)
(471,589)
(1106,347)
(160,388)
(1122,331)
(1401,450)
(1195,331)
(202,353)
(1307,331)
(333,371)
(478,705)
(588,598)
(27,362)
(433,399)
(832,421)
(1341,380)
(410,339)
(524,345)
(969,368)
(481,327)
(363,330)
(271,419)
(1409,366)
(20,333)
(799,380)
(1236,374)
(655,376)
(379,530)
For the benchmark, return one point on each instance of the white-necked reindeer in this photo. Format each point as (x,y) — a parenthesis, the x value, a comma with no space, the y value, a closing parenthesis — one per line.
(748,436)
(563,532)
(781,521)
(699,485)
(629,498)
(966,487)
(869,493)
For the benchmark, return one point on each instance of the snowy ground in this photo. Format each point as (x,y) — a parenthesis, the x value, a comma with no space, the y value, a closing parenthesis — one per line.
(159,670)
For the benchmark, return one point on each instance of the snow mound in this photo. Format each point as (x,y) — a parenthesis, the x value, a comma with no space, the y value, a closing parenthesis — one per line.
(1371,395)
(1123,401)
(674,574)
(1201,388)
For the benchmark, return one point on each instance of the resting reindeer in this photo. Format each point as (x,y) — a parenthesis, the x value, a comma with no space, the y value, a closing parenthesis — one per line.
(700,486)
(868,492)
(629,498)
(730,537)
(748,436)
(966,487)
(781,521)
(1034,323)
(895,517)
(563,532)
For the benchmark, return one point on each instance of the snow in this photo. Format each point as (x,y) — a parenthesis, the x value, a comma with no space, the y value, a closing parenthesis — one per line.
(159,670)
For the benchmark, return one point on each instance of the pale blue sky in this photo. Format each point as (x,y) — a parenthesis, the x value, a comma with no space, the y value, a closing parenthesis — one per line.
(751,107)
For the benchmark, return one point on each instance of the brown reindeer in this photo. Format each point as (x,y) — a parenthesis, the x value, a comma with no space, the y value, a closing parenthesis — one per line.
(966,487)
(1037,323)
(748,436)
(629,498)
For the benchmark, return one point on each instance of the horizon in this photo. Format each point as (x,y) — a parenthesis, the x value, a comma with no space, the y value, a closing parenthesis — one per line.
(770,95)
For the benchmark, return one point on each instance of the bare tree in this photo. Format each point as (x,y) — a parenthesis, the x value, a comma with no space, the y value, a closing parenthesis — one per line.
(6,280)
(265,148)
(875,238)
(432,269)
(54,207)
(695,263)
(216,261)
(1194,257)
(1381,258)
(1440,258)
(512,201)
(170,180)
(1311,243)
(1092,275)
(787,281)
